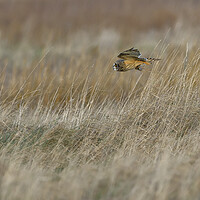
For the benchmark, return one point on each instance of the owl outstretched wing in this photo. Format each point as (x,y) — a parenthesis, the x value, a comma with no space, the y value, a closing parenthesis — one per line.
(125,65)
(130,54)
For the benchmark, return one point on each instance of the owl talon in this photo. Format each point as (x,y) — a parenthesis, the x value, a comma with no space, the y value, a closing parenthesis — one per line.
(138,68)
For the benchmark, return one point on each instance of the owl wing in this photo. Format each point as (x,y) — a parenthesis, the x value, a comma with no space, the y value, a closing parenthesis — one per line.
(131,64)
(125,65)
(130,54)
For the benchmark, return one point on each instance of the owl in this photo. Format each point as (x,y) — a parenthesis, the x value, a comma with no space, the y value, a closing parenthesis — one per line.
(130,59)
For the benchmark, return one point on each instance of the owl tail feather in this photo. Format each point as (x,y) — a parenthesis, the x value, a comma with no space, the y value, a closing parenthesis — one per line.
(150,60)
(153,59)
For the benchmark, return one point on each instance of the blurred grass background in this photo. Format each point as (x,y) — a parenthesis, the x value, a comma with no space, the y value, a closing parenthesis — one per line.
(71,127)
(50,21)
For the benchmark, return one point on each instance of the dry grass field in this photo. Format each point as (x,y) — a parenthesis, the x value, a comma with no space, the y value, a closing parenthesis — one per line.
(71,128)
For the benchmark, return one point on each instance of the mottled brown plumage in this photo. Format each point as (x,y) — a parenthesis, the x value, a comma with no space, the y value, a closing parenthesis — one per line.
(130,59)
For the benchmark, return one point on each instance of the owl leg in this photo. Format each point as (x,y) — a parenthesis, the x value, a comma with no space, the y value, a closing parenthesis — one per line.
(138,68)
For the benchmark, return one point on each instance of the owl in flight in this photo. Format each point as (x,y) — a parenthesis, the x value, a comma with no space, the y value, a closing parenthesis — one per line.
(130,59)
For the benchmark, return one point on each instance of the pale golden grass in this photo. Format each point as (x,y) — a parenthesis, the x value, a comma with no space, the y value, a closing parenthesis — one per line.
(72,128)
(75,129)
